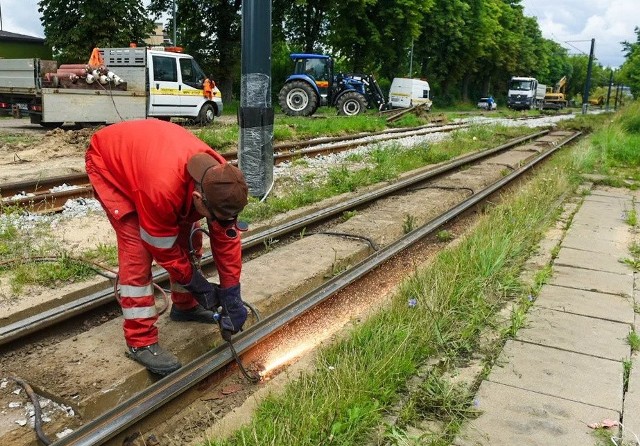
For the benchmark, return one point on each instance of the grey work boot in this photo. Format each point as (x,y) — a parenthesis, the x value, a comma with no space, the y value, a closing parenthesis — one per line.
(155,359)
(196,314)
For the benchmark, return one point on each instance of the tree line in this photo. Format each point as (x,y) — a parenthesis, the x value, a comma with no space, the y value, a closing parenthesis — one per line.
(464,48)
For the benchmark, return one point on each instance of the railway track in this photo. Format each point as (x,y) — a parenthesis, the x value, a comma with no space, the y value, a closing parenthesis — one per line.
(123,416)
(50,195)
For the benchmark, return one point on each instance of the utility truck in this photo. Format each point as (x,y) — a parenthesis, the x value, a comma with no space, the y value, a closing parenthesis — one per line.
(117,84)
(526,93)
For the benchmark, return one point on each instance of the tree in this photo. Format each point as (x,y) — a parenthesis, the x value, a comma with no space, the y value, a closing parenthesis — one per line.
(630,70)
(445,37)
(558,63)
(211,32)
(375,36)
(304,23)
(74,27)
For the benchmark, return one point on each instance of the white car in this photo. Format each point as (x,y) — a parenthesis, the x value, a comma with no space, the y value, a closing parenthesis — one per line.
(483,103)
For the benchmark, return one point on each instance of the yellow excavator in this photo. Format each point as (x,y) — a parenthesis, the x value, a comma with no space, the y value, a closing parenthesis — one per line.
(554,98)
(597,101)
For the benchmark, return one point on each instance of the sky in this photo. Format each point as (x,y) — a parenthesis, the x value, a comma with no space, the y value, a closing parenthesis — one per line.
(571,23)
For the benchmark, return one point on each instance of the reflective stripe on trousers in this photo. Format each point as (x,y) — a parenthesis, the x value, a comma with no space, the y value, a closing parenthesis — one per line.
(135,286)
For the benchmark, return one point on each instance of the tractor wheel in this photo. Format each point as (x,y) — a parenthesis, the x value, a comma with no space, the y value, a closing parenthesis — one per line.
(297,98)
(351,103)
(206,115)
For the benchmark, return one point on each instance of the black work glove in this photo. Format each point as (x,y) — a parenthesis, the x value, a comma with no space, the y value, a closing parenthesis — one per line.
(203,291)
(234,313)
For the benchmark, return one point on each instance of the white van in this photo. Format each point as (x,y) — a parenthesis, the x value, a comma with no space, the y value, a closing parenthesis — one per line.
(405,93)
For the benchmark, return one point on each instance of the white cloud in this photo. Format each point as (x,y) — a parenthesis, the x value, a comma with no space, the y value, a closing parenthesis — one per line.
(22,17)
(608,21)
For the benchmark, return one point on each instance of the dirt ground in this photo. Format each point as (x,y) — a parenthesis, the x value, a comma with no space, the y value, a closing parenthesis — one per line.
(43,155)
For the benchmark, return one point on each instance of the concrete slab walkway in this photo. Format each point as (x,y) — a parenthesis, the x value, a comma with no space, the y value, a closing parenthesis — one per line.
(566,368)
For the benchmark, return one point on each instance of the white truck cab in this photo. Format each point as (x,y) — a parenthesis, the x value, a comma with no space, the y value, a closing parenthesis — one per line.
(407,92)
(176,83)
(525,93)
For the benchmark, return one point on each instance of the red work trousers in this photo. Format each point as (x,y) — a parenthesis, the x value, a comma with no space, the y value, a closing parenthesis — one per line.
(136,293)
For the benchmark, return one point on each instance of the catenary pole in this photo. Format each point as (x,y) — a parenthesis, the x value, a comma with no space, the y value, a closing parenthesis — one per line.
(609,89)
(255,115)
(587,84)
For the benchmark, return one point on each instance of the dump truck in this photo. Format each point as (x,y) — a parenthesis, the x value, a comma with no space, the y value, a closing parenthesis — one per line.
(117,84)
(526,93)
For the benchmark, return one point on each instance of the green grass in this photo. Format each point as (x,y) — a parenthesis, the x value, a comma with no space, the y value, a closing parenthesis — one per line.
(631,217)
(409,223)
(359,378)
(29,255)
(444,236)
(50,273)
(20,139)
(634,341)
(613,151)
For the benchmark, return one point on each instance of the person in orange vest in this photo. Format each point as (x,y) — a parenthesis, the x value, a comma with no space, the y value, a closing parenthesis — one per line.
(208,88)
(156,180)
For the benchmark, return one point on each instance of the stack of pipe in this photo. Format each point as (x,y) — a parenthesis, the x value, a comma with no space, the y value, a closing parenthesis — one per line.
(71,73)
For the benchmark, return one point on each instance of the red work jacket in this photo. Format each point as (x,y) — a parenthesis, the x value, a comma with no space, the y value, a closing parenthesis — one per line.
(141,166)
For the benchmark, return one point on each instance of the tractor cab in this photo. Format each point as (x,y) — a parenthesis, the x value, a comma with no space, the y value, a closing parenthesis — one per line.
(318,68)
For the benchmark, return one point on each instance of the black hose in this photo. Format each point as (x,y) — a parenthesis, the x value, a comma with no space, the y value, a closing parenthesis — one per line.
(250,378)
(226,336)
(371,243)
(36,408)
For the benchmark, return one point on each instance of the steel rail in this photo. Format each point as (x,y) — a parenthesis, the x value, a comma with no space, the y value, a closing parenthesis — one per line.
(43,200)
(49,201)
(31,324)
(16,187)
(118,419)
(315,151)
(290,146)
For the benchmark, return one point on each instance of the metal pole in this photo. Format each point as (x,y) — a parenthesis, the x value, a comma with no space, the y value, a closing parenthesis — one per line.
(609,90)
(0,16)
(175,39)
(411,60)
(255,115)
(587,84)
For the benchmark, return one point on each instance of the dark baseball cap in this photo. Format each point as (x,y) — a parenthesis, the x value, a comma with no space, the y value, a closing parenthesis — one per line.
(222,184)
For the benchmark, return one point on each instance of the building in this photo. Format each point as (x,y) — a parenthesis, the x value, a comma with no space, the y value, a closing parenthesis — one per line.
(159,36)
(20,46)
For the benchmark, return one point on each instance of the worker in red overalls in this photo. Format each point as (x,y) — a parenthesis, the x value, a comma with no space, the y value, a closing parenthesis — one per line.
(155,181)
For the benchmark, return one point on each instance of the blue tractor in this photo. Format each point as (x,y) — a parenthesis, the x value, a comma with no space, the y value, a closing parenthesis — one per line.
(313,83)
